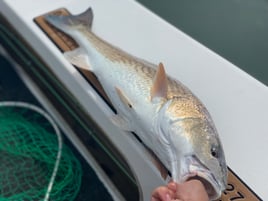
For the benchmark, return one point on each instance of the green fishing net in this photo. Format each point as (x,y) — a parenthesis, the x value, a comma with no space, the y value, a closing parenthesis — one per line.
(34,162)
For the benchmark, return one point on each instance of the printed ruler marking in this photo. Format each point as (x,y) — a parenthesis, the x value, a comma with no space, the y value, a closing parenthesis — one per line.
(236,189)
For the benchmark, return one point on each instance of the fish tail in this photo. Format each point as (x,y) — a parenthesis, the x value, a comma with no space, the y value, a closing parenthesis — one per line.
(71,22)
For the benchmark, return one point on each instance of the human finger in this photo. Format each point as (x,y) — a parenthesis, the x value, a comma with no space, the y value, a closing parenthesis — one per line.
(162,193)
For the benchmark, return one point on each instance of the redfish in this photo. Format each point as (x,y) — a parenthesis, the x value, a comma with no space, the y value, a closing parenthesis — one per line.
(169,119)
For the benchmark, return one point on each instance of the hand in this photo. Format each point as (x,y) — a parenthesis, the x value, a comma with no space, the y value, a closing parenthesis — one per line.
(192,190)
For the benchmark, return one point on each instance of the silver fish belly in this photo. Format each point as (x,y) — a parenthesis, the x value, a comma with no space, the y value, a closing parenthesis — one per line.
(167,117)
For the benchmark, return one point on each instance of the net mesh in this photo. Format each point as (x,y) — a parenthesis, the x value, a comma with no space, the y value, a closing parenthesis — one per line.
(34,164)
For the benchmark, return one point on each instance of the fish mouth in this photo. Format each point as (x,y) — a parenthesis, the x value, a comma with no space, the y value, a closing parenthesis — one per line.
(198,171)
(209,184)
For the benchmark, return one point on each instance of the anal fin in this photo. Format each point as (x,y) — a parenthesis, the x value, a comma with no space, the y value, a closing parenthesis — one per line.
(78,57)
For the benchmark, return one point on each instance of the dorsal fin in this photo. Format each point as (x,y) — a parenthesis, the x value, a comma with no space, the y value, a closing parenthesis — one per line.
(159,88)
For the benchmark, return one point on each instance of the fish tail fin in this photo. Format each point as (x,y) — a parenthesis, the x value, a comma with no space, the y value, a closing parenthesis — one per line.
(70,22)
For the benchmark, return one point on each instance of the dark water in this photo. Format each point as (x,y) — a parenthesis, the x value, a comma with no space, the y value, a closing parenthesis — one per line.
(235,29)
(13,89)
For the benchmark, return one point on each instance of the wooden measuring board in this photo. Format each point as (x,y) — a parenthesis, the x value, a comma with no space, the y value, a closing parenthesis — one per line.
(236,189)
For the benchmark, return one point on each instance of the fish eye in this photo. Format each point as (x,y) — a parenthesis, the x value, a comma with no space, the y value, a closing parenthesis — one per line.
(214,151)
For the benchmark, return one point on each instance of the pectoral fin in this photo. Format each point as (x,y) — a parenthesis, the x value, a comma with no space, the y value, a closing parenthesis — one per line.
(159,88)
(78,57)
